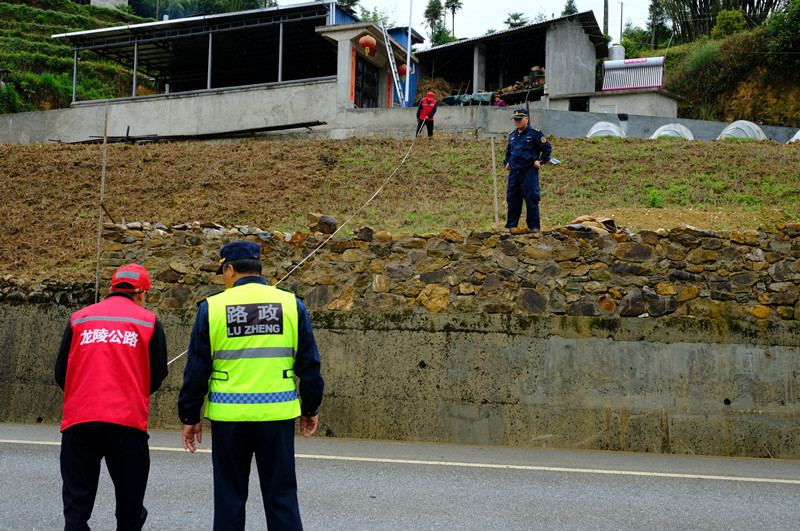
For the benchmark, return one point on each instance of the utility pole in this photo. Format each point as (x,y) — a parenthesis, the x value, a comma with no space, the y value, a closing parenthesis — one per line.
(653,8)
(406,103)
(605,17)
(620,22)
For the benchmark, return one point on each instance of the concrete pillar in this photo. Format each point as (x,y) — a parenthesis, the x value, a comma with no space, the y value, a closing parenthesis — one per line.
(343,74)
(479,68)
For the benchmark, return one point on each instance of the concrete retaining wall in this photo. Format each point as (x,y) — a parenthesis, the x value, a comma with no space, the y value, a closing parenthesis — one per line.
(308,101)
(673,342)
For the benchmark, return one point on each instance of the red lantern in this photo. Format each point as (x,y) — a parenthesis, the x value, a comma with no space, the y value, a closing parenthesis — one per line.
(367,42)
(402,69)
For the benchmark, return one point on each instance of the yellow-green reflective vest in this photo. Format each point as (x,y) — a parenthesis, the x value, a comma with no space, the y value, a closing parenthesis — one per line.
(253,334)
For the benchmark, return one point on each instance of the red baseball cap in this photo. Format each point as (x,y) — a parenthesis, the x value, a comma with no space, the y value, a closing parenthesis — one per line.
(132,278)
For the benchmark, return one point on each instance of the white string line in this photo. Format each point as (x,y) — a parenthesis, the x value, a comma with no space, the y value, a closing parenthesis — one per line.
(343,224)
(357,211)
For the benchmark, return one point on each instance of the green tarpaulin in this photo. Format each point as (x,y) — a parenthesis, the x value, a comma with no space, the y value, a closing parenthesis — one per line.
(479,98)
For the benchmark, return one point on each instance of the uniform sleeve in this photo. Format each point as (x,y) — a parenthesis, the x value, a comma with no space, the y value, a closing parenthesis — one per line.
(508,152)
(197,371)
(307,364)
(546,148)
(63,357)
(158,357)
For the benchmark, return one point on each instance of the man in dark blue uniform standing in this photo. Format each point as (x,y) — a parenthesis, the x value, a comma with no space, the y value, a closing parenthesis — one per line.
(247,346)
(527,150)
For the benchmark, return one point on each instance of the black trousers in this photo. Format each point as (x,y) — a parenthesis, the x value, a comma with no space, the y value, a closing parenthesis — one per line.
(233,447)
(127,456)
(428,126)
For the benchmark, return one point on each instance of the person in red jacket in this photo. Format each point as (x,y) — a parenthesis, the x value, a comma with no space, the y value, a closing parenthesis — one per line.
(425,111)
(113,356)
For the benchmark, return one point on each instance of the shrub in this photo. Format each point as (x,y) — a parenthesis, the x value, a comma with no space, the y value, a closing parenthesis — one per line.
(9,99)
(728,23)
(782,35)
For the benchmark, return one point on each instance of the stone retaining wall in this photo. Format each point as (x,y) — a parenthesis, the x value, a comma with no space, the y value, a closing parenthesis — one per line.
(690,273)
(681,341)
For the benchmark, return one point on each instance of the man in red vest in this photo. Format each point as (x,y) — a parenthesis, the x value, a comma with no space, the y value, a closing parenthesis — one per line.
(425,111)
(113,356)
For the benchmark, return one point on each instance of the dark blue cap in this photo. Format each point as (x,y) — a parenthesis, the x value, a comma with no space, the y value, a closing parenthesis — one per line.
(238,251)
(519,113)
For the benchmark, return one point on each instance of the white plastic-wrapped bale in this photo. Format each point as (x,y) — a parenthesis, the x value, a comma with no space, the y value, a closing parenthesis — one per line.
(605,129)
(673,130)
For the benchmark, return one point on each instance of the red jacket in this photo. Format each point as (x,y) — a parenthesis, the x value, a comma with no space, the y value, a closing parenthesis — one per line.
(427,108)
(108,372)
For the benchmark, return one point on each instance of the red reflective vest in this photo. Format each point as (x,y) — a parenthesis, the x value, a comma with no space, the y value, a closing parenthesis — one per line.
(426,107)
(108,369)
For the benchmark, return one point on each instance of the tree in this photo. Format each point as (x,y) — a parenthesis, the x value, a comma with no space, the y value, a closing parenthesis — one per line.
(453,6)
(660,30)
(440,34)
(378,16)
(569,8)
(433,13)
(349,3)
(728,23)
(515,20)
(693,18)
(634,39)
(782,33)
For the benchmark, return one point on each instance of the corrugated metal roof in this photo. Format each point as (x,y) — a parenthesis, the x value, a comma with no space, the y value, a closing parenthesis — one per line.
(633,73)
(243,42)
(586,19)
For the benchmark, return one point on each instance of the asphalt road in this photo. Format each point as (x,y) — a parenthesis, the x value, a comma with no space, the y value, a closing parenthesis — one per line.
(346,484)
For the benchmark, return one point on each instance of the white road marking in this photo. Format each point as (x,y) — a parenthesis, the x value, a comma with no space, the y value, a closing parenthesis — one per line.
(532,468)
(553,469)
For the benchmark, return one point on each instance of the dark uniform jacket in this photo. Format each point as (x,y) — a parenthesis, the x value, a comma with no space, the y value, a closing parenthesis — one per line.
(525,148)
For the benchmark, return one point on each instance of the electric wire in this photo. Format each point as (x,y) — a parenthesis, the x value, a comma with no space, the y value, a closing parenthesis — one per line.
(320,246)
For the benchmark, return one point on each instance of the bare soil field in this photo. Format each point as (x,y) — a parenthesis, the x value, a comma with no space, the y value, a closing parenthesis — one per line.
(51,193)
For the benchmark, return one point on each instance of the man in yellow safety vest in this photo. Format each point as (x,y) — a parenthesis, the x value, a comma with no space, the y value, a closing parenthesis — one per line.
(247,345)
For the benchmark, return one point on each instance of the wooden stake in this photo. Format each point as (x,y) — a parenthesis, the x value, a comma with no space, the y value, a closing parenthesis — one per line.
(102,208)
(494,180)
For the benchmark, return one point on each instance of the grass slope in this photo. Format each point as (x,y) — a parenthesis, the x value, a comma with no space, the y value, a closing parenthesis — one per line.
(48,227)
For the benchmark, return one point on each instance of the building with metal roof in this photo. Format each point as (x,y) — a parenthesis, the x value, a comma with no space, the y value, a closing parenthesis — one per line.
(567,48)
(562,53)
(270,45)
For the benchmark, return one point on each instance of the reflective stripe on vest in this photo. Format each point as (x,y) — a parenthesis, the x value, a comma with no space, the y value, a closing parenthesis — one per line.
(112,319)
(108,369)
(253,335)
(253,398)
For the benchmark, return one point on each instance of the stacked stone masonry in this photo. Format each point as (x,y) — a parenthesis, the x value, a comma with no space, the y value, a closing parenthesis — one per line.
(684,272)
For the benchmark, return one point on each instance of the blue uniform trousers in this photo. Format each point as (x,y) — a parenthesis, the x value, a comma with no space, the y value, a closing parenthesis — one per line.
(233,447)
(127,457)
(523,184)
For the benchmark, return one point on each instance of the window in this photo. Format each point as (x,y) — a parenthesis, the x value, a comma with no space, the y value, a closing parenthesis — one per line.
(579,104)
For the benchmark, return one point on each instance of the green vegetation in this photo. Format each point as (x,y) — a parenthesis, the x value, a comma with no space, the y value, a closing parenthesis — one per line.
(729,22)
(40,67)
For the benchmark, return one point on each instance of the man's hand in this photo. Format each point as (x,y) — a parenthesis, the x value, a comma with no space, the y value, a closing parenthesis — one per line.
(308,425)
(189,432)
(537,164)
